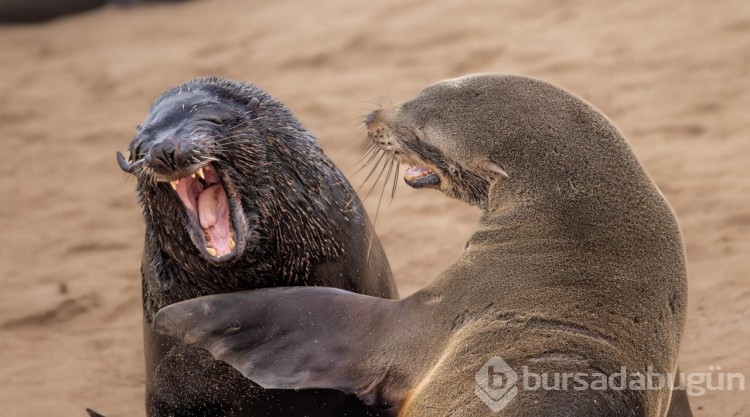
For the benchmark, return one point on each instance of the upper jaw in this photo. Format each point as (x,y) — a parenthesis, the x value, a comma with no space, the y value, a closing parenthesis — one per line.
(193,172)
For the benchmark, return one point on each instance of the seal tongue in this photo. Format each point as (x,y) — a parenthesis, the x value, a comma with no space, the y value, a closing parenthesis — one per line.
(417,172)
(213,213)
(188,190)
(208,205)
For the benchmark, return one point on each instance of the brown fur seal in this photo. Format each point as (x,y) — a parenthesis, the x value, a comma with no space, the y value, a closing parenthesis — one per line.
(237,195)
(577,268)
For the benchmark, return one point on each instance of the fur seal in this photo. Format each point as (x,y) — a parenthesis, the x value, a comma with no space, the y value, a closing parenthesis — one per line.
(237,195)
(577,268)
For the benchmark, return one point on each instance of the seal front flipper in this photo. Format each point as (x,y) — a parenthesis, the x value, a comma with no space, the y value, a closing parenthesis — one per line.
(291,338)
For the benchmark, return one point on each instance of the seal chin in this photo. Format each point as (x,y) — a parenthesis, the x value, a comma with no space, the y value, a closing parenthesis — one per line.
(211,212)
(422,177)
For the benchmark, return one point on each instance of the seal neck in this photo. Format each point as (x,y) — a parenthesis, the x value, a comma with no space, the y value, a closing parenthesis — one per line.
(512,223)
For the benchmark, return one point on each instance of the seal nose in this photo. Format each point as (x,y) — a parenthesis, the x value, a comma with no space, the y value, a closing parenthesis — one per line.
(164,153)
(370,118)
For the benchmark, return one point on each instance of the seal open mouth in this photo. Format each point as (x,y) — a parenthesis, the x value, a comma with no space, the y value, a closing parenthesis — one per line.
(422,177)
(206,200)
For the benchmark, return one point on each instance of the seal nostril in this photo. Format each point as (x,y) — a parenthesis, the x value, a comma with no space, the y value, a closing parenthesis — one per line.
(370,118)
(164,153)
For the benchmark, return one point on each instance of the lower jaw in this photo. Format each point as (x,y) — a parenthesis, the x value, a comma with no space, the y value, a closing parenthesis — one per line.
(228,248)
(213,255)
(428,181)
(225,246)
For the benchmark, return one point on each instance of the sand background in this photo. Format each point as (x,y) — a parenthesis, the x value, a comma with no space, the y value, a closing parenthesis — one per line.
(674,75)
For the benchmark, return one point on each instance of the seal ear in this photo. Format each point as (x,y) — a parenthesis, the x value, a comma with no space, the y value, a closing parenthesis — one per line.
(281,338)
(493,167)
(493,198)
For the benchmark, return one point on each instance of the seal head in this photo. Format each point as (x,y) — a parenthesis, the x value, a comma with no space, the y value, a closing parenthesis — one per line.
(185,166)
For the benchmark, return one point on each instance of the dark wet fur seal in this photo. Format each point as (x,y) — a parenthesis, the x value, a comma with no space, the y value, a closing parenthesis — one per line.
(237,195)
(577,266)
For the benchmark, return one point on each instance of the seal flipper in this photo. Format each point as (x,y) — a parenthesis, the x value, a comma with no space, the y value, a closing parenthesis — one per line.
(93,413)
(287,338)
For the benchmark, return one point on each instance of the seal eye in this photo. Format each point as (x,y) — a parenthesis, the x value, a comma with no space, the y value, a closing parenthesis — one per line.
(213,120)
(421,136)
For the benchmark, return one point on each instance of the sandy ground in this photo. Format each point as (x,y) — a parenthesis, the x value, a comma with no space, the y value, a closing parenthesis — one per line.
(673,74)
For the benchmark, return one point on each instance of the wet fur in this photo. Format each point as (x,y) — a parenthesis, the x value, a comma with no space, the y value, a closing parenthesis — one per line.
(302,222)
(577,265)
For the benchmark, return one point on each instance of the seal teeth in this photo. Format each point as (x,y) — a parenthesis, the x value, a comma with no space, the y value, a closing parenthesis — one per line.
(174,184)
(212,251)
(231,244)
(200,173)
(192,175)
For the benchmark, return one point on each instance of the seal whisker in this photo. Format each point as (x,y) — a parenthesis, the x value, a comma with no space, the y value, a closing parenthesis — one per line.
(238,127)
(374,184)
(366,145)
(382,154)
(389,163)
(395,181)
(371,154)
(385,183)
(357,120)
(366,151)
(376,104)
(231,136)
